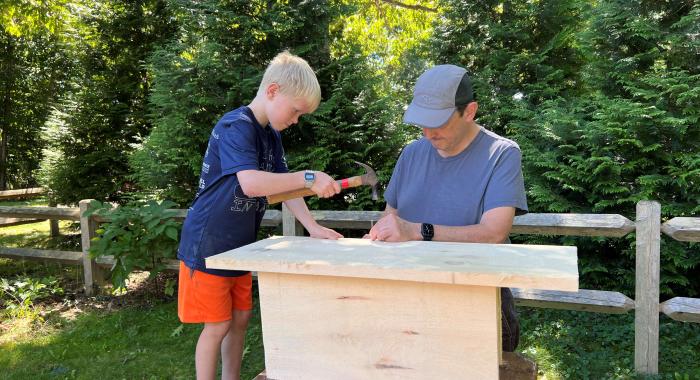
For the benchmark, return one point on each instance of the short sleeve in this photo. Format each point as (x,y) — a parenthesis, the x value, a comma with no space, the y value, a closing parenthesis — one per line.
(238,148)
(506,187)
(390,195)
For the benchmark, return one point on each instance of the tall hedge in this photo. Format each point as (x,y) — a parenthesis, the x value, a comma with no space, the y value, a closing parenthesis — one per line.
(604,104)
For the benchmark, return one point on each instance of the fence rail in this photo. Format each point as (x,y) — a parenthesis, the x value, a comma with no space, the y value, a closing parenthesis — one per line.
(647,226)
(31,192)
(24,194)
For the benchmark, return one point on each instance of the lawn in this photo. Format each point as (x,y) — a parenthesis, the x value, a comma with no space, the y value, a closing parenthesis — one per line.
(143,340)
(138,336)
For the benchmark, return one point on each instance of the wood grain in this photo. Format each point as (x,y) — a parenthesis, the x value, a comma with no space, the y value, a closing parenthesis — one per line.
(320,327)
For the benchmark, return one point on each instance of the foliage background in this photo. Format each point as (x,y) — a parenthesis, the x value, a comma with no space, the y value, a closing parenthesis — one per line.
(114,100)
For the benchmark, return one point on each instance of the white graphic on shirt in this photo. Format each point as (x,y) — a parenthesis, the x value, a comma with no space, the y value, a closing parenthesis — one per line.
(205,168)
(267,163)
(202,184)
(241,203)
(214,135)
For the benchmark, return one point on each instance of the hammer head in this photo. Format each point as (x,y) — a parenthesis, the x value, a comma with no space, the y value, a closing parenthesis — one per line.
(369,178)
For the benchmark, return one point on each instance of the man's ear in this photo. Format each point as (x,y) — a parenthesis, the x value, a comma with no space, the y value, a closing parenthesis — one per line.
(272,90)
(470,111)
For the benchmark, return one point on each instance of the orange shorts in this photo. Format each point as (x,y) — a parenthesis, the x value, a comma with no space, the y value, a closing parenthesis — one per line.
(204,297)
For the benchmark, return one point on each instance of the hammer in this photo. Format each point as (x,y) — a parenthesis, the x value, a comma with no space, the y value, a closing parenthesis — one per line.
(369,178)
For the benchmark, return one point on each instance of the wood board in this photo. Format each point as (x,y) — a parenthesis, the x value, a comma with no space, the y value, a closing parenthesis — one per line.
(322,327)
(499,265)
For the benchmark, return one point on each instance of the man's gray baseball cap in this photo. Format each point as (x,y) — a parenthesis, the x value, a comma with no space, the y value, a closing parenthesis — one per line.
(438,93)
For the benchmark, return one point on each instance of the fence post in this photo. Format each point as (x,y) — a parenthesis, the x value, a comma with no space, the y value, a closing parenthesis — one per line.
(53,223)
(290,224)
(92,272)
(646,293)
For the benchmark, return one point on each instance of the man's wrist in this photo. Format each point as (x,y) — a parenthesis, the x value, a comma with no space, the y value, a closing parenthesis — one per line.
(417,235)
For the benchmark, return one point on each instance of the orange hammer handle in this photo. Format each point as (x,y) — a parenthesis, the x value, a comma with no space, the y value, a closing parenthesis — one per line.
(281,197)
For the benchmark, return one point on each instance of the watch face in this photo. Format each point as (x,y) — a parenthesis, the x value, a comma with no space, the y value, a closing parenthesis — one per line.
(427,230)
(309,176)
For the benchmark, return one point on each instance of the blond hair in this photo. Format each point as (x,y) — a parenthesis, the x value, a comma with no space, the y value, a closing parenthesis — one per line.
(294,76)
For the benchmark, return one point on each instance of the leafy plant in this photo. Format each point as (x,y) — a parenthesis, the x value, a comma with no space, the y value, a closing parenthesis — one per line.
(139,235)
(19,295)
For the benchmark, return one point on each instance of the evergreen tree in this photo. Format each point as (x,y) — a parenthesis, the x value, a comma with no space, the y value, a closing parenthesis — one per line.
(32,75)
(106,114)
(634,136)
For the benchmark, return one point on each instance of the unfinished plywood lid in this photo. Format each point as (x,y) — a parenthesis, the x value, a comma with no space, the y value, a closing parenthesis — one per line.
(502,265)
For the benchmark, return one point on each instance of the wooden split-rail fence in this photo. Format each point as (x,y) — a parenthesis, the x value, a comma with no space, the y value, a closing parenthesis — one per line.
(19,194)
(647,227)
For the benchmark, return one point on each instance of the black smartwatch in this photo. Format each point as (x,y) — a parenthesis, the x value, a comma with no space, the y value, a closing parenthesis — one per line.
(427,230)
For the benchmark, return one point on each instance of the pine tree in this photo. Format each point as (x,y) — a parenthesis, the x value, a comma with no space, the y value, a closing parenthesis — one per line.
(107,111)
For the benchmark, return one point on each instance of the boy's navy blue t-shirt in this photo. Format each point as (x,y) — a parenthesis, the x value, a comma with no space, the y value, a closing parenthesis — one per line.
(222,217)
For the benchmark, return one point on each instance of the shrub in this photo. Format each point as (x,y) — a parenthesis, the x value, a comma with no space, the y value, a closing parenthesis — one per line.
(139,235)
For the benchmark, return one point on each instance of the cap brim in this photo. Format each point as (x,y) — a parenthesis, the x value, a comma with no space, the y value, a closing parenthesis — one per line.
(426,117)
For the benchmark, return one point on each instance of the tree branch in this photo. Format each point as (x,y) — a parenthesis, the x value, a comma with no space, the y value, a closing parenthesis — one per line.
(409,6)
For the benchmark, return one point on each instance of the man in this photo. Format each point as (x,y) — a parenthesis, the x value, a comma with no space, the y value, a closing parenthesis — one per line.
(460,182)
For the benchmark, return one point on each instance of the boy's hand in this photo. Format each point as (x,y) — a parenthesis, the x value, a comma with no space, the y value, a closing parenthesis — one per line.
(320,232)
(324,186)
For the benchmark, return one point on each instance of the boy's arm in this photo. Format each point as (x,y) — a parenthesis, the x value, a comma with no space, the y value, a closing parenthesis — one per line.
(301,212)
(258,183)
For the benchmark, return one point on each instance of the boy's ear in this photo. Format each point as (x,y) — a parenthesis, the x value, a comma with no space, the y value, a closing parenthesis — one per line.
(272,90)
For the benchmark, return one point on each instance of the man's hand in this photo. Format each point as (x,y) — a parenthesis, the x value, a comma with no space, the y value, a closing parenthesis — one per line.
(324,186)
(392,228)
(320,232)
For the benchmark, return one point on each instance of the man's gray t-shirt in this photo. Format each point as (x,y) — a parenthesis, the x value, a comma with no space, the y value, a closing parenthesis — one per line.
(457,190)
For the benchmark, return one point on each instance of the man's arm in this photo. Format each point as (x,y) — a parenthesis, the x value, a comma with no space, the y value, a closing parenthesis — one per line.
(298,207)
(494,227)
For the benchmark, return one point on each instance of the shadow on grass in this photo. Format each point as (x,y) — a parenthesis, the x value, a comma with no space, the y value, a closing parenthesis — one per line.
(136,342)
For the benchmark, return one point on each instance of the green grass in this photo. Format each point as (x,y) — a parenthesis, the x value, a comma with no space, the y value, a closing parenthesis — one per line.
(142,342)
(138,342)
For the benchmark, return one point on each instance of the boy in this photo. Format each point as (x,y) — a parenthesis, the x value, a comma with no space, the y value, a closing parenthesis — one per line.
(243,163)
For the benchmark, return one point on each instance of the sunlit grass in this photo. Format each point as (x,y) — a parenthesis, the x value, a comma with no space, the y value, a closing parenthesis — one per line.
(136,342)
